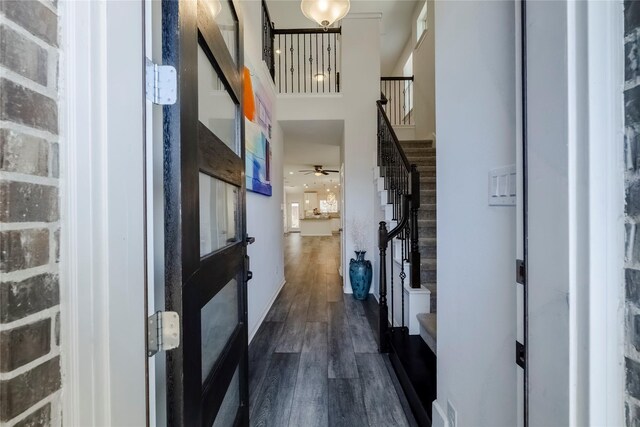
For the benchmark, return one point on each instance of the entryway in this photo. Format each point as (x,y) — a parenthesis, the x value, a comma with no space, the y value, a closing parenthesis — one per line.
(315,361)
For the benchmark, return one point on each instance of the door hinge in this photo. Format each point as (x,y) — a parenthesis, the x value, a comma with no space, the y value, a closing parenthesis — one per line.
(521,272)
(161,83)
(163,332)
(520,355)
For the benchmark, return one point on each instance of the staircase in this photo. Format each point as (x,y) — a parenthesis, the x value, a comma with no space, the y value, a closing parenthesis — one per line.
(422,153)
(405,177)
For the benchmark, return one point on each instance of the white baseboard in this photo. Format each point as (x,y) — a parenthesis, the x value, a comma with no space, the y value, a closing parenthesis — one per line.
(273,299)
(439,415)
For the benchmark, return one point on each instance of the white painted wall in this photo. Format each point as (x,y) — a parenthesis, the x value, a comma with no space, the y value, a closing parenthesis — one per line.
(310,107)
(475,118)
(360,37)
(264,214)
(424,93)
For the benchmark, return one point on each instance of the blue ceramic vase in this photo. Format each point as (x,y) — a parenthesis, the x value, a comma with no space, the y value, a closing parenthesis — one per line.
(360,274)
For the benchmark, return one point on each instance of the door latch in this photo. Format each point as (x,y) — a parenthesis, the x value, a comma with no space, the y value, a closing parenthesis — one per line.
(247,266)
(163,332)
(521,272)
(521,355)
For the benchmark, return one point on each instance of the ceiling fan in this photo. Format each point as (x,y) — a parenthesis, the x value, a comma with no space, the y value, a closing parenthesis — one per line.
(318,171)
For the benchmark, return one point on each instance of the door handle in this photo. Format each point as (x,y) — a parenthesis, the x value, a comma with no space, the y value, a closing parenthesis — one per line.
(250,240)
(249,275)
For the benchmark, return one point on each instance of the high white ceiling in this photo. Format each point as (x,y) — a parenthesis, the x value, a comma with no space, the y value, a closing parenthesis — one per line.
(312,142)
(308,143)
(396,23)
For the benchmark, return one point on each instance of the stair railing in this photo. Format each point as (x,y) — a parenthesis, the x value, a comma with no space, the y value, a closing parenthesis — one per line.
(399,92)
(402,184)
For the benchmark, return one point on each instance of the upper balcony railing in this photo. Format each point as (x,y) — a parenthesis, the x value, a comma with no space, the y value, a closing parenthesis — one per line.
(267,39)
(398,91)
(307,60)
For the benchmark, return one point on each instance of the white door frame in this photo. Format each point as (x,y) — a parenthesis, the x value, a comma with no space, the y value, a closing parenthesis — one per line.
(595,79)
(103,316)
(605,81)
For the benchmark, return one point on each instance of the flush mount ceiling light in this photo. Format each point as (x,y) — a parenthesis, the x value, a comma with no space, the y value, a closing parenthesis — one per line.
(325,12)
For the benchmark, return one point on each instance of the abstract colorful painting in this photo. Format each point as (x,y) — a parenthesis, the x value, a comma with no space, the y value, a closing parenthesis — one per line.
(258,159)
(257,133)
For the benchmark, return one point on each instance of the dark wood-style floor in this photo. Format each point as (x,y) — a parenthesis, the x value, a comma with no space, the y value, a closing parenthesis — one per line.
(315,361)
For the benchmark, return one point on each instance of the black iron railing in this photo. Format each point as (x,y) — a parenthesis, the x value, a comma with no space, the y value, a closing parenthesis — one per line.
(402,183)
(398,91)
(267,39)
(307,60)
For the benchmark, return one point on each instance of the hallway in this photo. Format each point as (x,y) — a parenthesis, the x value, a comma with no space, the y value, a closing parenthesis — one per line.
(314,361)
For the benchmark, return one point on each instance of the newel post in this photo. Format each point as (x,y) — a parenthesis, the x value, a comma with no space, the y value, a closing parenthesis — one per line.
(383,320)
(415,242)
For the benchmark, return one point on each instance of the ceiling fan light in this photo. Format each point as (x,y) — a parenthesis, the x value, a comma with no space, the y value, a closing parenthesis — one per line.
(318,173)
(325,12)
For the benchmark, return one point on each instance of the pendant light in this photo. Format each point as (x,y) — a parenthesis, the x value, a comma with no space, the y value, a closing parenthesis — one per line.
(325,12)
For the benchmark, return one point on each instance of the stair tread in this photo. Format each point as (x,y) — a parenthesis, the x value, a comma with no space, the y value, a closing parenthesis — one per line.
(429,329)
(431,263)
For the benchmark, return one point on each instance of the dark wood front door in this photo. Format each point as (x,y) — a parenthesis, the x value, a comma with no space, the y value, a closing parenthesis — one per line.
(206,267)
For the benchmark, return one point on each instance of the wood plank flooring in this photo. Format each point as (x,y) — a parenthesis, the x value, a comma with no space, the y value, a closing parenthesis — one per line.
(314,361)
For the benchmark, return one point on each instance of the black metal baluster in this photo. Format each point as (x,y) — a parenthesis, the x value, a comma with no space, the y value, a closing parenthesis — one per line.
(410,108)
(291,49)
(402,277)
(415,247)
(322,39)
(279,66)
(329,60)
(335,60)
(284,53)
(383,319)
(392,288)
(404,106)
(298,37)
(317,65)
(311,62)
(397,87)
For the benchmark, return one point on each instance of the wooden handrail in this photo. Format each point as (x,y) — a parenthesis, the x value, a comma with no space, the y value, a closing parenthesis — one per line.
(401,78)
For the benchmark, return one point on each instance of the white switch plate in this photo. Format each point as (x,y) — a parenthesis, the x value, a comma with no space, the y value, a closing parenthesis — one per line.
(452,415)
(502,186)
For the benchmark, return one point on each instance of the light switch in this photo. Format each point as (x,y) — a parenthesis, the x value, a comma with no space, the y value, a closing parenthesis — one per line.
(502,186)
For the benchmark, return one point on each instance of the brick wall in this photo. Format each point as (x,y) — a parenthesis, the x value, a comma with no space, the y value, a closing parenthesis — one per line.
(30,379)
